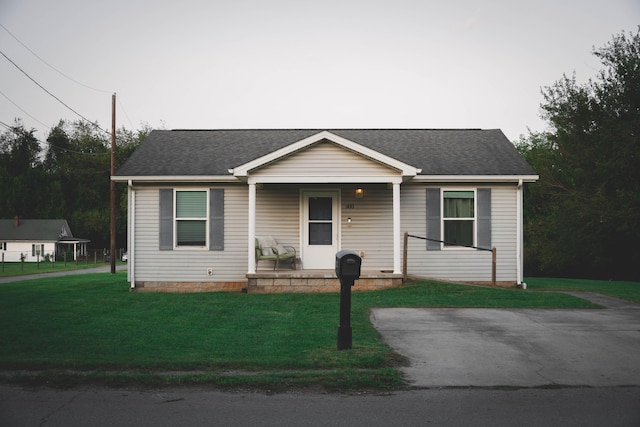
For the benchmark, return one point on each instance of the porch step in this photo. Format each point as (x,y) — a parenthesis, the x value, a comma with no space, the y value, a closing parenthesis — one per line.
(313,281)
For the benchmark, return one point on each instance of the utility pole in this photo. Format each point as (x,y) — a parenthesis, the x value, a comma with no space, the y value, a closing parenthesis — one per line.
(112,248)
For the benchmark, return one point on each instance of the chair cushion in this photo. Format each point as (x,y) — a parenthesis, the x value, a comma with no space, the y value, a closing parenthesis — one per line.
(266,244)
(281,250)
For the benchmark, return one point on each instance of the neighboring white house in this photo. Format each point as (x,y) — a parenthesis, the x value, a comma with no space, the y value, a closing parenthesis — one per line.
(199,199)
(33,240)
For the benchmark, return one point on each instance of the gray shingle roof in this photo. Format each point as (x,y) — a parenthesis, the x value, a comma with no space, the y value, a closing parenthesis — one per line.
(435,151)
(35,230)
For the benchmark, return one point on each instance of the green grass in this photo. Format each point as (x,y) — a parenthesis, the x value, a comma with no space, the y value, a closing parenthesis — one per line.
(625,290)
(90,328)
(21,269)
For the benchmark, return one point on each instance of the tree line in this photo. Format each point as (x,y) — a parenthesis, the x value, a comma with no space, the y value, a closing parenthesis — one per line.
(66,177)
(582,218)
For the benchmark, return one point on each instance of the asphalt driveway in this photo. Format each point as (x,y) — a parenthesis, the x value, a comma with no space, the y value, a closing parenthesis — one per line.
(449,347)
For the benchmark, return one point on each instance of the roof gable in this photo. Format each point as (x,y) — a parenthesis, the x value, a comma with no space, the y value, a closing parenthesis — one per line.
(35,230)
(314,140)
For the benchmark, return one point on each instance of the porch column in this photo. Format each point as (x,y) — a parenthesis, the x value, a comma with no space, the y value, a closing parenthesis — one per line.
(519,237)
(397,269)
(251,244)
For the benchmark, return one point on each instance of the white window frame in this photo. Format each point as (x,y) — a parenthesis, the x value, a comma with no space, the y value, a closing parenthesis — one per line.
(176,219)
(39,246)
(474,219)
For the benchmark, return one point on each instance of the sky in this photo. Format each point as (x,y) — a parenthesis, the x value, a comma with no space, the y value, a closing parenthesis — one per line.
(330,64)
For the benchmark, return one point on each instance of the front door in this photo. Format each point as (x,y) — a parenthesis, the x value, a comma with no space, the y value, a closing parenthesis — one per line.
(320,229)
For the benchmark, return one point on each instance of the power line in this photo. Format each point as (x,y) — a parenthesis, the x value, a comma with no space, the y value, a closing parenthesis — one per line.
(52,95)
(51,66)
(63,75)
(79,152)
(21,109)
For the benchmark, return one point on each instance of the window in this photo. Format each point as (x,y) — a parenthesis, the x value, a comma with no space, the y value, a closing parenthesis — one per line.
(3,246)
(458,214)
(186,216)
(462,217)
(37,250)
(191,218)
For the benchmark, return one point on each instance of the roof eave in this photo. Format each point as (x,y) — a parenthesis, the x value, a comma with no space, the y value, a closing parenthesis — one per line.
(476,178)
(174,178)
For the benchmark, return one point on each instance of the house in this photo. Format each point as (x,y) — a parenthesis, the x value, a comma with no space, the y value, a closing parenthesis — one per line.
(199,198)
(33,240)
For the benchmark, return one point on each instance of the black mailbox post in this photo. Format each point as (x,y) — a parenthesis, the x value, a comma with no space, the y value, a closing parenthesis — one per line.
(348,270)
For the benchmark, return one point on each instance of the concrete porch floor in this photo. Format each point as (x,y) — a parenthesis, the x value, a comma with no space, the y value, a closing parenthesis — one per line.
(310,281)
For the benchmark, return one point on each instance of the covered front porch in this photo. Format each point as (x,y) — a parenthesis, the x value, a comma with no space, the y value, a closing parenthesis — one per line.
(321,195)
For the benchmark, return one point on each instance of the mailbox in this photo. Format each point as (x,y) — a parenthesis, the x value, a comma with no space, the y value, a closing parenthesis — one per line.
(347,270)
(348,265)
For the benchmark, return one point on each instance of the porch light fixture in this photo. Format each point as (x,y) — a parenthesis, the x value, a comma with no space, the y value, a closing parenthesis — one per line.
(359,193)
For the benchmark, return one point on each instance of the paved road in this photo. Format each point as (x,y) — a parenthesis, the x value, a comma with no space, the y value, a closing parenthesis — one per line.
(583,407)
(517,347)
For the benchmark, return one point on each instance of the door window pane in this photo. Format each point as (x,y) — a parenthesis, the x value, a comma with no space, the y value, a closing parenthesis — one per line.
(320,208)
(320,233)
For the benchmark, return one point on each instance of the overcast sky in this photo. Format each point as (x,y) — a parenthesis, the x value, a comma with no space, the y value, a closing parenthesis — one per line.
(225,64)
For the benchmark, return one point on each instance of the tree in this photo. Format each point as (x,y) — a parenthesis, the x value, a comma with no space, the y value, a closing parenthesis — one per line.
(587,216)
(69,179)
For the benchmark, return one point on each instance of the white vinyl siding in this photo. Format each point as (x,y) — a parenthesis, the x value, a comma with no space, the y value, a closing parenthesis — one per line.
(464,264)
(326,159)
(370,231)
(278,214)
(190,265)
(13,250)
(371,227)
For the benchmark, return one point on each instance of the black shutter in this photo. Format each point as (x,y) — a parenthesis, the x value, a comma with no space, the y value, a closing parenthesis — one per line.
(166,219)
(216,219)
(433,219)
(484,218)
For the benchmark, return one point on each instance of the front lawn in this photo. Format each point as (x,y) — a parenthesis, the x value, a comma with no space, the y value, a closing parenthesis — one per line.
(90,328)
(625,290)
(9,269)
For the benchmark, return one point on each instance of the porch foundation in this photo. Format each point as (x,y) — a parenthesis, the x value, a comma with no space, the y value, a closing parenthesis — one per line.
(189,287)
(316,281)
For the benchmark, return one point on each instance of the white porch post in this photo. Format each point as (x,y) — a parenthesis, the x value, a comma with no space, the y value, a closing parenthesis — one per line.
(396,229)
(519,236)
(131,236)
(251,243)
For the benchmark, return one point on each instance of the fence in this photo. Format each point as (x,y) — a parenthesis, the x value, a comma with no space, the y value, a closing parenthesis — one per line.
(405,251)
(92,256)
